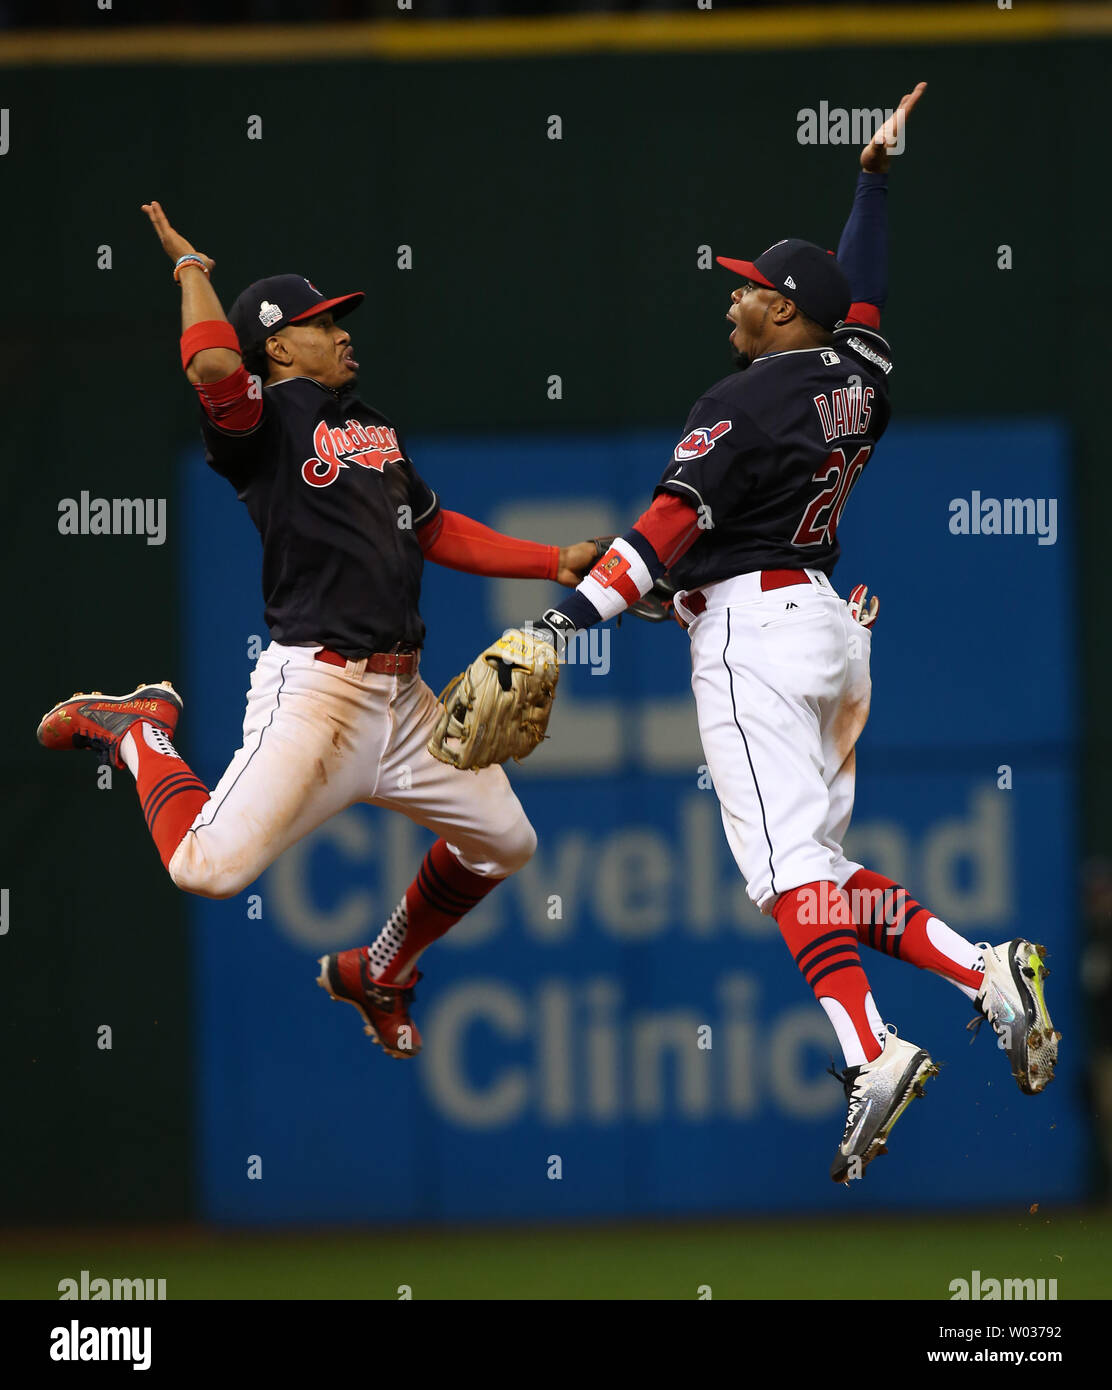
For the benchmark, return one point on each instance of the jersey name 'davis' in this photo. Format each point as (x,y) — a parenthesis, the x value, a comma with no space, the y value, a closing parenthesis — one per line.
(771,454)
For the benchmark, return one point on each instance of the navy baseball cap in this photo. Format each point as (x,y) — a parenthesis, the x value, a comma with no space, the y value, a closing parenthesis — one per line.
(804,273)
(269,305)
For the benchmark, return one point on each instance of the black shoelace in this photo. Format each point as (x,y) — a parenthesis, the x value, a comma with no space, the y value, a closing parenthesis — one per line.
(99,745)
(847,1084)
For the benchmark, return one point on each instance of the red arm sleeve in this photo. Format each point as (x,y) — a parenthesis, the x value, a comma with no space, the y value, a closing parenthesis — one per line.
(671,527)
(459,543)
(229,403)
(868,315)
(210,333)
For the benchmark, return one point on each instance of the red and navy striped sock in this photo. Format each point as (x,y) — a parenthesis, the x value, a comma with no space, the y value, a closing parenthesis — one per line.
(170,793)
(815,922)
(443,892)
(889,919)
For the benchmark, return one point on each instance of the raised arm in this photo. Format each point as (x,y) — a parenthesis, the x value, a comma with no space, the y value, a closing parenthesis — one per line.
(210,354)
(863,249)
(215,353)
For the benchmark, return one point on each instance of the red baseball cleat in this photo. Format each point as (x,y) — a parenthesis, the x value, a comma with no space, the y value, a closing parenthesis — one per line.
(100,721)
(385,1008)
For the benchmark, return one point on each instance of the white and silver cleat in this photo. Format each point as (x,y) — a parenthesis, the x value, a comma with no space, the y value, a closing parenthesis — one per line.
(878,1092)
(1013,1001)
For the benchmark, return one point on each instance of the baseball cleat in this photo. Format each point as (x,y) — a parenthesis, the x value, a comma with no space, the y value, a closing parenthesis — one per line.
(878,1093)
(385,1008)
(1012,1000)
(100,721)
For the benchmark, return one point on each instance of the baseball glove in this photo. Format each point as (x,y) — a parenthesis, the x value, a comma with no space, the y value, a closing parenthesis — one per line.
(498,708)
(653,607)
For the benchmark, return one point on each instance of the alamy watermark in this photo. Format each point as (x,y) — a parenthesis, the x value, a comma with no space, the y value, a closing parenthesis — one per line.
(835,125)
(113,516)
(1008,516)
(829,905)
(589,647)
(98,1288)
(77,1343)
(986,1289)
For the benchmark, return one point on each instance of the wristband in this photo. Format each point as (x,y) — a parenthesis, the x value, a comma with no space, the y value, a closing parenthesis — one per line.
(190,256)
(213,333)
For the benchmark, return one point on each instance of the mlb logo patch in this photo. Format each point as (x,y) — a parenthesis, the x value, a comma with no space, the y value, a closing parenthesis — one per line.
(610,569)
(269,313)
(701,441)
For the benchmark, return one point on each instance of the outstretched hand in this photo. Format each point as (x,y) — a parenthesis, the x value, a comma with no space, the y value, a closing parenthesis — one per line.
(173,243)
(875,156)
(576,562)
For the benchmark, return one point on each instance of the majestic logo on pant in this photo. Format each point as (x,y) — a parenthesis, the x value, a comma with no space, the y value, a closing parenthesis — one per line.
(701,441)
(338,448)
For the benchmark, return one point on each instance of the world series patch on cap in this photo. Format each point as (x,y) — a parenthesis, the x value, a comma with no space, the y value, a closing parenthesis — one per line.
(269,305)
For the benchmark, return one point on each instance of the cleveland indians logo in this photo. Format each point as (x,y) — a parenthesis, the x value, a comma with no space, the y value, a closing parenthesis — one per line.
(341,447)
(700,441)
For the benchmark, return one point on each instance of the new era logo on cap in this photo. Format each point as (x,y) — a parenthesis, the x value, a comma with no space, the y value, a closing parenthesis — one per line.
(821,289)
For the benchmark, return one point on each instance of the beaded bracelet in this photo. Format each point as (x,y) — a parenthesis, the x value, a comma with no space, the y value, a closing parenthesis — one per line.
(185,260)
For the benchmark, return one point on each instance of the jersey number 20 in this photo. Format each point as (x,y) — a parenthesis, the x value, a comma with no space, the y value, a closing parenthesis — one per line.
(820,521)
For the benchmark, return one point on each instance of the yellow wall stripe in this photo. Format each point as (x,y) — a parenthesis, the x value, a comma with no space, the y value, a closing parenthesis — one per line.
(407,39)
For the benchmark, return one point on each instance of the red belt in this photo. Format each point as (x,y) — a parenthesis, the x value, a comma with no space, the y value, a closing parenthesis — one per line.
(382,663)
(770,579)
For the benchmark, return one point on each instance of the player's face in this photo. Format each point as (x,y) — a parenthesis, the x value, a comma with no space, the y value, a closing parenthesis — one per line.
(320,348)
(748,312)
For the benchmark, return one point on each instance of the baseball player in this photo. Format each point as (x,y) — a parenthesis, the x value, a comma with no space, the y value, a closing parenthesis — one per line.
(337,712)
(744,524)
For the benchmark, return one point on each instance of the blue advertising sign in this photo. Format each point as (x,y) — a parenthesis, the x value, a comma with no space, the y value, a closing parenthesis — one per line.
(618,1004)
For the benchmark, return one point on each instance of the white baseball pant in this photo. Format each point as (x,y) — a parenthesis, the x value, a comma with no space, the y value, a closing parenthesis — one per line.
(318,738)
(782,688)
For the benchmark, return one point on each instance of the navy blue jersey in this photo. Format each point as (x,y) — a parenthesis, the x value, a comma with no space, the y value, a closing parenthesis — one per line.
(337,503)
(770,455)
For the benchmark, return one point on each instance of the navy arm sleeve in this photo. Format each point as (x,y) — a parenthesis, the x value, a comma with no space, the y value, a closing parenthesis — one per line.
(863,249)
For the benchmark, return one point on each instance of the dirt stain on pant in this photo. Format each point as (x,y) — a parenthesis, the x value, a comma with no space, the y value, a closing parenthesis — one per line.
(850,720)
